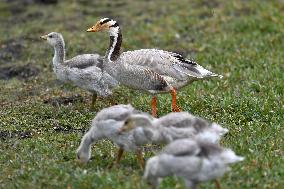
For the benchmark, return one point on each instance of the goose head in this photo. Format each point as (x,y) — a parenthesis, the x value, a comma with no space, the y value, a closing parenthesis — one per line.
(134,121)
(105,24)
(53,38)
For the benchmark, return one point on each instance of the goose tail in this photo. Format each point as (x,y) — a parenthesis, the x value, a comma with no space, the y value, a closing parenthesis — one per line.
(206,73)
(196,71)
(229,156)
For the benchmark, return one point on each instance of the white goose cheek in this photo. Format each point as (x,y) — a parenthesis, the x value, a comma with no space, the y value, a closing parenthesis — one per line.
(50,41)
(113,31)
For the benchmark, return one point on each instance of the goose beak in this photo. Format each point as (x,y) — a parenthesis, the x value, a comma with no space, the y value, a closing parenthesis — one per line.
(95,28)
(125,128)
(44,37)
(121,130)
(98,27)
(92,29)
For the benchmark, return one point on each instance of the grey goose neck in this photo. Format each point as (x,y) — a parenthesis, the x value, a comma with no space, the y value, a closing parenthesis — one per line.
(59,53)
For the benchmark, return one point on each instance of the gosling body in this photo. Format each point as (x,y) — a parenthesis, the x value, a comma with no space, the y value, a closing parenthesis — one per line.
(192,160)
(83,71)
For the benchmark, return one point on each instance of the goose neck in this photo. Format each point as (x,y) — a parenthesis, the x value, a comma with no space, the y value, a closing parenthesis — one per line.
(59,54)
(113,51)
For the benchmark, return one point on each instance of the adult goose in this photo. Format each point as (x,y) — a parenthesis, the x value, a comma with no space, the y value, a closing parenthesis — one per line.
(151,70)
(84,71)
(192,160)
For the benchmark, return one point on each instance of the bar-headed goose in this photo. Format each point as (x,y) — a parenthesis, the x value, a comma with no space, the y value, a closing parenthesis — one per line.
(151,70)
(192,160)
(84,71)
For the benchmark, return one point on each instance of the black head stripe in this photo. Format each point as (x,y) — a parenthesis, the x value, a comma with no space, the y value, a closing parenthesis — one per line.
(105,21)
(115,25)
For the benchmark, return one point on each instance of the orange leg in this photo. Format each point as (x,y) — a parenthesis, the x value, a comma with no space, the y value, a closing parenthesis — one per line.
(175,108)
(154,106)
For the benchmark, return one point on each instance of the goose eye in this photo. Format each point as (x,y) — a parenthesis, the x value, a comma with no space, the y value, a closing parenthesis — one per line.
(50,36)
(126,122)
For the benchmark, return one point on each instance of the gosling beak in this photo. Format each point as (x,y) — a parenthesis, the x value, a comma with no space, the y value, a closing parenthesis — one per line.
(121,130)
(44,37)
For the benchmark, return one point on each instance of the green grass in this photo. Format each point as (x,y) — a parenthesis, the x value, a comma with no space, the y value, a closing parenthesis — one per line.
(244,41)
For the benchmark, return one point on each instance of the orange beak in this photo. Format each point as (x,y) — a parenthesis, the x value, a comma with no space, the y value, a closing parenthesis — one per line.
(92,29)
(44,37)
(97,27)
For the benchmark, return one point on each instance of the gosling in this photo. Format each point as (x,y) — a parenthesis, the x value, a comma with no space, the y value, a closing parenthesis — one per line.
(193,160)
(84,71)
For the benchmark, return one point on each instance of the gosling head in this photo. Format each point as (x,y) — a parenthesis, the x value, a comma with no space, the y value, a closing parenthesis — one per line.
(134,121)
(127,126)
(53,38)
(83,155)
(105,24)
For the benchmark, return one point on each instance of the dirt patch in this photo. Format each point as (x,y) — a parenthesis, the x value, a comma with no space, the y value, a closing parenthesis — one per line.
(205,15)
(46,1)
(15,134)
(61,129)
(25,17)
(18,7)
(20,72)
(64,100)
(4,135)
(11,50)
(34,15)
(29,2)
(208,3)
(244,11)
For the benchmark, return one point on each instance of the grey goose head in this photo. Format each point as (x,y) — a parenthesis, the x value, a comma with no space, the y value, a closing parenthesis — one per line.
(53,39)
(137,120)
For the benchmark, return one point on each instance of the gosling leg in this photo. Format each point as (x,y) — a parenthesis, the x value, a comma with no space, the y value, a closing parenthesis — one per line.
(94,98)
(140,159)
(118,157)
(217,184)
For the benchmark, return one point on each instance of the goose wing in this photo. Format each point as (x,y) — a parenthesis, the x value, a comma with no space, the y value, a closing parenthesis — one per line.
(176,119)
(117,112)
(143,78)
(185,120)
(84,61)
(166,63)
(182,147)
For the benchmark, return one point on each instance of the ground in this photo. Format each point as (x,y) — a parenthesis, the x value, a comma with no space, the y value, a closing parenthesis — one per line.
(42,120)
